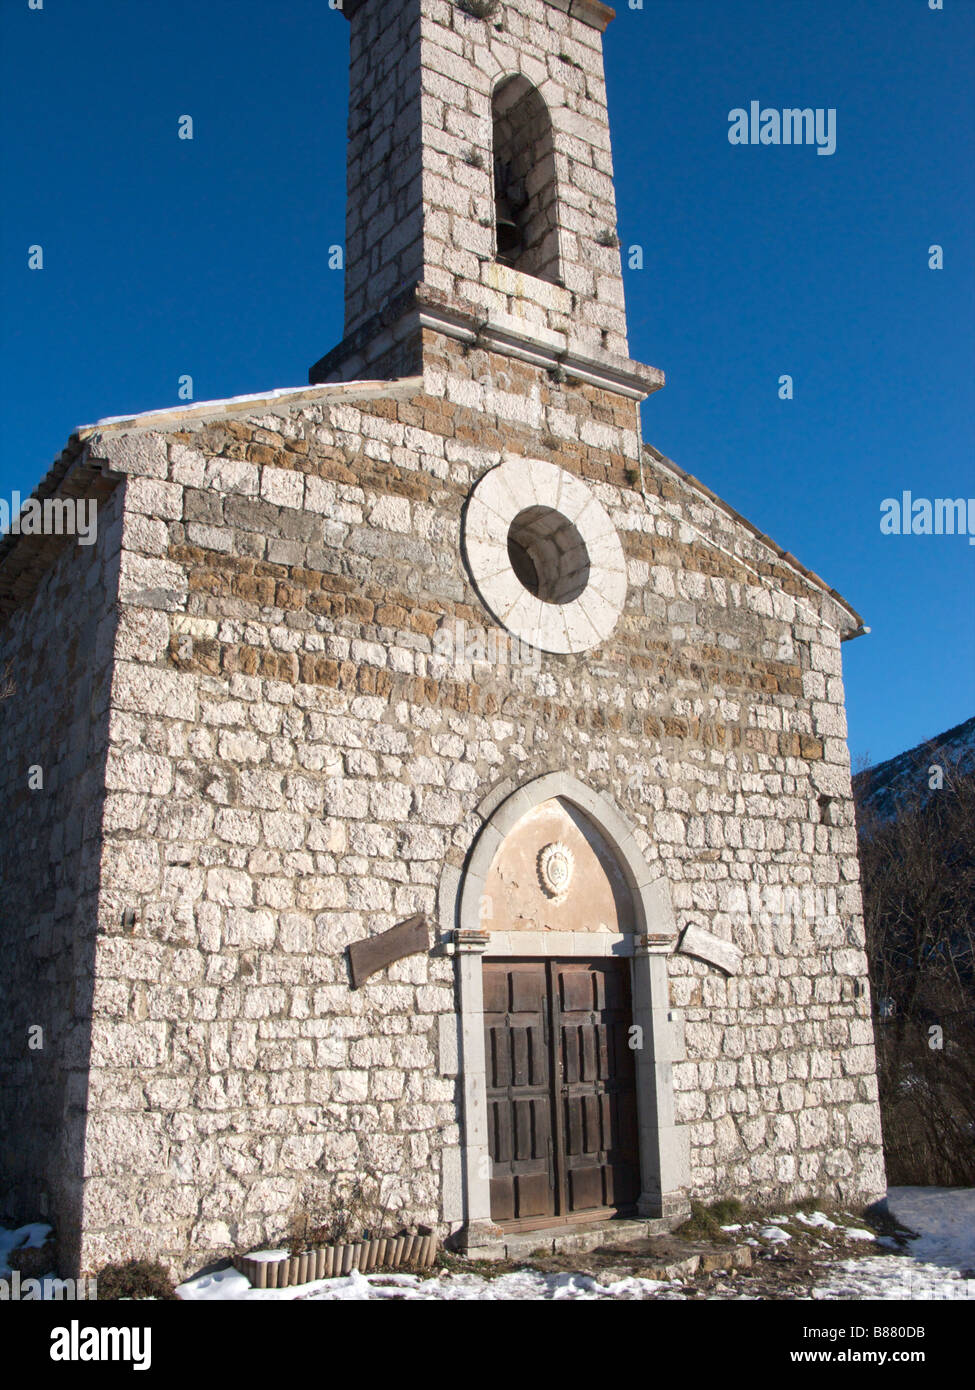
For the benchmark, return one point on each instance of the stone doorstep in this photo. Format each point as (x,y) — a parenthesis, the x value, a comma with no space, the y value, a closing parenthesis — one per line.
(513,1245)
(613,1237)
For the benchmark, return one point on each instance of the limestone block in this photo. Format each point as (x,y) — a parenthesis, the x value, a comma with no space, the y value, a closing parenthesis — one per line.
(152,582)
(132,452)
(187,466)
(233,476)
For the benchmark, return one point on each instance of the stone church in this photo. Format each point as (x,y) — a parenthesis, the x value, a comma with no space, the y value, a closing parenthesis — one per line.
(435,640)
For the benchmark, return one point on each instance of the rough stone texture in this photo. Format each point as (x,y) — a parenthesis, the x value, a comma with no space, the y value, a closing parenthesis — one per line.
(427,80)
(58,649)
(288,758)
(290,764)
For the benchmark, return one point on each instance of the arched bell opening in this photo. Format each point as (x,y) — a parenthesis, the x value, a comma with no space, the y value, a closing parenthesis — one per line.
(525,185)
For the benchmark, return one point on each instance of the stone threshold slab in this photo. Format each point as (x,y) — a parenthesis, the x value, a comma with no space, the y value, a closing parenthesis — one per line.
(515,1245)
(683,1262)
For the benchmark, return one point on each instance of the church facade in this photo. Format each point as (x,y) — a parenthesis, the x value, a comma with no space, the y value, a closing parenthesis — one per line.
(436,640)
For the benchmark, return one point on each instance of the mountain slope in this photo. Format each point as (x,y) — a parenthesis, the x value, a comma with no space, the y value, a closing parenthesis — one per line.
(880,791)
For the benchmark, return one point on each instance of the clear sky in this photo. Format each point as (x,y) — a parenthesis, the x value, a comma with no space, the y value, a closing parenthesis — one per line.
(165,257)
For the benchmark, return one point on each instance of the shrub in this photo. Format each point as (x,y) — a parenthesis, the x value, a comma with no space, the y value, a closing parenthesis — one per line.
(917,867)
(703,1223)
(134,1279)
(479,9)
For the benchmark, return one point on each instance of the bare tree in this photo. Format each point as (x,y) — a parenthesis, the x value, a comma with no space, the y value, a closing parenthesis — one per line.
(918,873)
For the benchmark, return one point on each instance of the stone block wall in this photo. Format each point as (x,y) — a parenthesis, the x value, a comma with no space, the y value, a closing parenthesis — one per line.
(58,649)
(420,175)
(290,761)
(384,211)
(292,764)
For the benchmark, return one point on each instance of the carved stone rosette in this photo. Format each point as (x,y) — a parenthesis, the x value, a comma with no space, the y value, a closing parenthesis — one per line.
(555,865)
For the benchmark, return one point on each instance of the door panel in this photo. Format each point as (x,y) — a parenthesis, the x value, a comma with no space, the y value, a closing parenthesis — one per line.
(597,1084)
(519,1091)
(562,1130)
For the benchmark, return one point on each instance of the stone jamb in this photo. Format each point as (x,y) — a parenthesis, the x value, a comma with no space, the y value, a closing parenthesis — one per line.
(662,1148)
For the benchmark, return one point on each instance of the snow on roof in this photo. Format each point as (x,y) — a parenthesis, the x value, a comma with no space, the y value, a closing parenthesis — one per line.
(398,386)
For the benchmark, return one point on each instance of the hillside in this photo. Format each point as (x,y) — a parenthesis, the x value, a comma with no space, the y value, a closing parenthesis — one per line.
(882,790)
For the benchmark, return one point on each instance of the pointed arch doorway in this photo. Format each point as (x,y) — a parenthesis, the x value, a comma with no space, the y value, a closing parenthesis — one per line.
(566,1033)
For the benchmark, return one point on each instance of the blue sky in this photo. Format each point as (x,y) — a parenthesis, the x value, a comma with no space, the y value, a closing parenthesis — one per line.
(164,257)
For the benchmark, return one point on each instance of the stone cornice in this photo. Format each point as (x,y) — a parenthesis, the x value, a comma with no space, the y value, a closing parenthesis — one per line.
(591,12)
(627,378)
(420,307)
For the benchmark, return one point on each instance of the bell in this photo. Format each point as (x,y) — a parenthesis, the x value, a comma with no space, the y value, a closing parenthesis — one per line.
(509,233)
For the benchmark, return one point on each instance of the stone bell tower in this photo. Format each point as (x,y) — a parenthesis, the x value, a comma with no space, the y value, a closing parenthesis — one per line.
(480,191)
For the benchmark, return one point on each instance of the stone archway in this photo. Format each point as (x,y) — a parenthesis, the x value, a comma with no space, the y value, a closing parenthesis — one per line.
(525,181)
(618,885)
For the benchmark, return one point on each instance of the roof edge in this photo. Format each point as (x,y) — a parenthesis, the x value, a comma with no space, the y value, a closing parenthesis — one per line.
(352,390)
(857,629)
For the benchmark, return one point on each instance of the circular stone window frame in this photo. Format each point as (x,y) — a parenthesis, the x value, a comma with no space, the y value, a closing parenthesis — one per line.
(501,495)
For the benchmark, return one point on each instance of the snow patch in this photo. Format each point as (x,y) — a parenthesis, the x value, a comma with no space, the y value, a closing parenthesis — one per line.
(30,1237)
(894,1277)
(816,1218)
(522,1284)
(944,1217)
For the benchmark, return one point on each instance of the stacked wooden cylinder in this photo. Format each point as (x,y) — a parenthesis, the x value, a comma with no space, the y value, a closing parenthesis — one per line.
(417,1251)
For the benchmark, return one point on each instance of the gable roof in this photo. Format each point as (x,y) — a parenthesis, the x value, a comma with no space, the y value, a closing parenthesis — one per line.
(856,627)
(24,559)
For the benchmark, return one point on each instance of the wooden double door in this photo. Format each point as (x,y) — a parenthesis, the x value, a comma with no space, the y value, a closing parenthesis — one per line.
(561,1096)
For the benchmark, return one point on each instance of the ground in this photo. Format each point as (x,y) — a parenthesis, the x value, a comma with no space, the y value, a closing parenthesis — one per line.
(924,1249)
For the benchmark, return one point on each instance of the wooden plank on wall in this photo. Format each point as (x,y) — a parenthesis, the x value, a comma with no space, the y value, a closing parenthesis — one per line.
(376,952)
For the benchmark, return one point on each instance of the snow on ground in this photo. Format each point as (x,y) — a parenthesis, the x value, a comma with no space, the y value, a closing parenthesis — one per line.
(815,1218)
(523,1285)
(893,1276)
(941,1262)
(938,1264)
(945,1219)
(24,1237)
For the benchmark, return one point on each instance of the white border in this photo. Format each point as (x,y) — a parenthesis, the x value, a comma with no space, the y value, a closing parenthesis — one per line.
(497,498)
